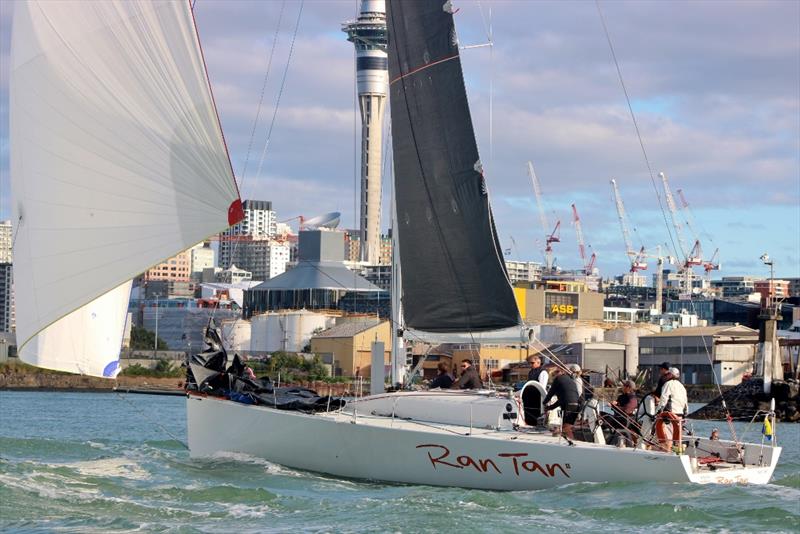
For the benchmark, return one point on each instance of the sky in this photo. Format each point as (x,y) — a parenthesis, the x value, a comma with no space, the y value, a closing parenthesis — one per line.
(715,87)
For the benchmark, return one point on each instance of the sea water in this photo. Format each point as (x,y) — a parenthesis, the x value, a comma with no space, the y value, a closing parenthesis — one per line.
(107,462)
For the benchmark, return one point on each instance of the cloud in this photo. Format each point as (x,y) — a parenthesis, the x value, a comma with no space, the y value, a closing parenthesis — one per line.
(714,85)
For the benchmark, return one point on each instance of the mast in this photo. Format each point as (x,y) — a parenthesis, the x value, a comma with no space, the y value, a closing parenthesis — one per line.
(398,361)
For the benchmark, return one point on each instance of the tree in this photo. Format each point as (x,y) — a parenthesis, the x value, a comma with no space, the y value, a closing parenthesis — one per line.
(143,339)
(292,366)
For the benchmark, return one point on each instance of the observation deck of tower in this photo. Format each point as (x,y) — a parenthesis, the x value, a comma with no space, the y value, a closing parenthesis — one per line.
(368,35)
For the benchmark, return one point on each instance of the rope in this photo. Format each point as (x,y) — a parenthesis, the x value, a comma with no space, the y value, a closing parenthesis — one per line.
(274,115)
(154,422)
(263,90)
(561,365)
(636,125)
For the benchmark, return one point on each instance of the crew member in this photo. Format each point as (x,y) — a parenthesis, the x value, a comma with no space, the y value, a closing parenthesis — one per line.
(443,379)
(565,389)
(538,372)
(663,370)
(671,407)
(469,378)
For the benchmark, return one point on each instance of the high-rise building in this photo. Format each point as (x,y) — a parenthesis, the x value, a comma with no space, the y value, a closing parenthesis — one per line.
(368,35)
(772,288)
(735,286)
(524,271)
(6,298)
(279,255)
(201,257)
(5,242)
(175,269)
(248,243)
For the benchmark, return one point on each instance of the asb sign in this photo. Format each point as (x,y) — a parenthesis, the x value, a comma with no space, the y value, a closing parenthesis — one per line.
(561,306)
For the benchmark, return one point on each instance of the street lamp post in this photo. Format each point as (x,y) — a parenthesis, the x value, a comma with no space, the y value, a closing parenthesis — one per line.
(770,287)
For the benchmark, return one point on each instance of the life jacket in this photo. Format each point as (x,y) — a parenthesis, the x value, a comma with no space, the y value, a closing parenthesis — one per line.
(534,374)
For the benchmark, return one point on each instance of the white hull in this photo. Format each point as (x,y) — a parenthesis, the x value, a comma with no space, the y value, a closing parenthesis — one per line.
(394,450)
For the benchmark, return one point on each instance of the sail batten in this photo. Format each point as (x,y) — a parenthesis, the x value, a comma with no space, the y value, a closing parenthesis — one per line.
(117,156)
(454,278)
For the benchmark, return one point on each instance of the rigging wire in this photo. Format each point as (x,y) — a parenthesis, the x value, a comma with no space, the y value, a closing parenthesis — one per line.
(263,90)
(636,126)
(274,115)
(280,90)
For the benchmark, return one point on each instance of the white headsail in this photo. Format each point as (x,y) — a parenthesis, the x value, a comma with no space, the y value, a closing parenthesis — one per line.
(117,163)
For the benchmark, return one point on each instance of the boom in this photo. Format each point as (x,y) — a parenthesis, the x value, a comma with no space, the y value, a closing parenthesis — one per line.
(587,265)
(636,258)
(550,237)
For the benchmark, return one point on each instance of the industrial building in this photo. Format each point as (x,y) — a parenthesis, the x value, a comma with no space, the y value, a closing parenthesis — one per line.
(347,347)
(700,351)
(558,300)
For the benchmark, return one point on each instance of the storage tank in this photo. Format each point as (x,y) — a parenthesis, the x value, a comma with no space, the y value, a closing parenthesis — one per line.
(579,334)
(550,334)
(629,335)
(236,335)
(288,331)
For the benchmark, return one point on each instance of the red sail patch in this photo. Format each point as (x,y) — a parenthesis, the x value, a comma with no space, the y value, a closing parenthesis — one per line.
(235,212)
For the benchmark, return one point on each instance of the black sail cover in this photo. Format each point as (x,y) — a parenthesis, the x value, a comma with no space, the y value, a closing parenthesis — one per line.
(454,277)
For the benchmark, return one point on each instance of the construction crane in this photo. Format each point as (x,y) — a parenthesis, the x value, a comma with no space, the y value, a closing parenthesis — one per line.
(637,259)
(588,265)
(690,257)
(712,265)
(689,218)
(550,237)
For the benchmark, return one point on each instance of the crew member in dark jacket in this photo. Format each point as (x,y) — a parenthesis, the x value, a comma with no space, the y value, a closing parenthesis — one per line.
(469,378)
(566,390)
(443,379)
(663,371)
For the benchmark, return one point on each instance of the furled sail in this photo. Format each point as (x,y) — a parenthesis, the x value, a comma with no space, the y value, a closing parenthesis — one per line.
(117,162)
(454,278)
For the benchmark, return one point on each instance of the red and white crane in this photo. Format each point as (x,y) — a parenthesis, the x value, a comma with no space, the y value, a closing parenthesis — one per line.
(690,257)
(637,259)
(588,265)
(550,237)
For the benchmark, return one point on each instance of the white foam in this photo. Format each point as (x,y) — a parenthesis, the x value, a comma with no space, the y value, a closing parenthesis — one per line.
(110,467)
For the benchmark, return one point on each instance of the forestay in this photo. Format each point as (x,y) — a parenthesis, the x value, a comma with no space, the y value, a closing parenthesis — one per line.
(117,159)
(454,278)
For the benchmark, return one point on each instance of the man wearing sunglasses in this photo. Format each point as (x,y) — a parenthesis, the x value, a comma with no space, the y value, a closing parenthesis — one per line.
(469,378)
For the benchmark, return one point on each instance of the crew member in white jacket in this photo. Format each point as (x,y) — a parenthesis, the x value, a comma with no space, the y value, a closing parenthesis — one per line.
(671,409)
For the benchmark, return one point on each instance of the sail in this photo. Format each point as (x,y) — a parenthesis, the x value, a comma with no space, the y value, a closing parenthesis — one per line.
(117,157)
(86,341)
(454,277)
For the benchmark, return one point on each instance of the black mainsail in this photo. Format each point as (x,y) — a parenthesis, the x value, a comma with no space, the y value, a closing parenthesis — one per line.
(454,277)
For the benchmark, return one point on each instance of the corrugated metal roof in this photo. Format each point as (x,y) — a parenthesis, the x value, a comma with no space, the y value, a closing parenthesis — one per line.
(350,328)
(318,275)
(694,331)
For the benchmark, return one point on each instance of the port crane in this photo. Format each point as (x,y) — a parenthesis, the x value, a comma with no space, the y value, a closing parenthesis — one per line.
(550,237)
(637,259)
(588,265)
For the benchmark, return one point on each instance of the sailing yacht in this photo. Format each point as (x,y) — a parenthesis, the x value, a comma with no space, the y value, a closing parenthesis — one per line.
(118,162)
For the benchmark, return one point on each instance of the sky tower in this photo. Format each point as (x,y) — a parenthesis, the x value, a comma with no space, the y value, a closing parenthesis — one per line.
(368,34)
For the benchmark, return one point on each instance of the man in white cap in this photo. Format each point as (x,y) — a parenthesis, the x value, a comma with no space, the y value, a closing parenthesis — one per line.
(671,407)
